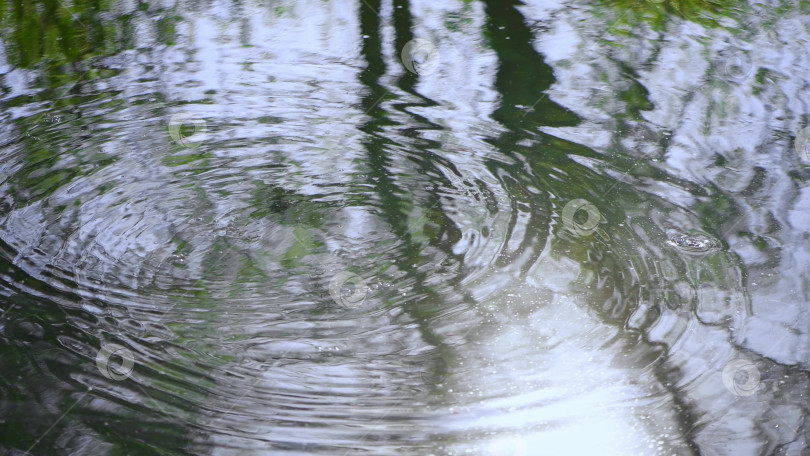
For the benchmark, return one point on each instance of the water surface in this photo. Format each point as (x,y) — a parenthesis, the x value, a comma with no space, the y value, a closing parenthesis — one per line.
(445,227)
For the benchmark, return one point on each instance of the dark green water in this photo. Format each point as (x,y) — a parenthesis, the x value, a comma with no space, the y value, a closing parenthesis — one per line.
(420,228)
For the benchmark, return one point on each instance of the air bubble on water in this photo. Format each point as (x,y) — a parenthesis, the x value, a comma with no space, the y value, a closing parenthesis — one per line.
(694,243)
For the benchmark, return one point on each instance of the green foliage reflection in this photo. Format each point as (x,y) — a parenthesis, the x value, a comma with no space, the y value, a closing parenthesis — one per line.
(54,32)
(658,12)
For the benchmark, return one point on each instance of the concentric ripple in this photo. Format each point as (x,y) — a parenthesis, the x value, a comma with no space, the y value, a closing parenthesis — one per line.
(256,229)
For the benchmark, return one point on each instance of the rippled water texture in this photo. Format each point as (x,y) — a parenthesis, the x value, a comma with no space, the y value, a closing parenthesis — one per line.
(417,228)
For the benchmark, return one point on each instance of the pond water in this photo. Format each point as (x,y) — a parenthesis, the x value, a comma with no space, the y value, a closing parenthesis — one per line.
(435,227)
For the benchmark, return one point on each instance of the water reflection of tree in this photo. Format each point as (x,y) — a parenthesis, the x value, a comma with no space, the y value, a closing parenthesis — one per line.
(63,38)
(659,12)
(47,32)
(540,160)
